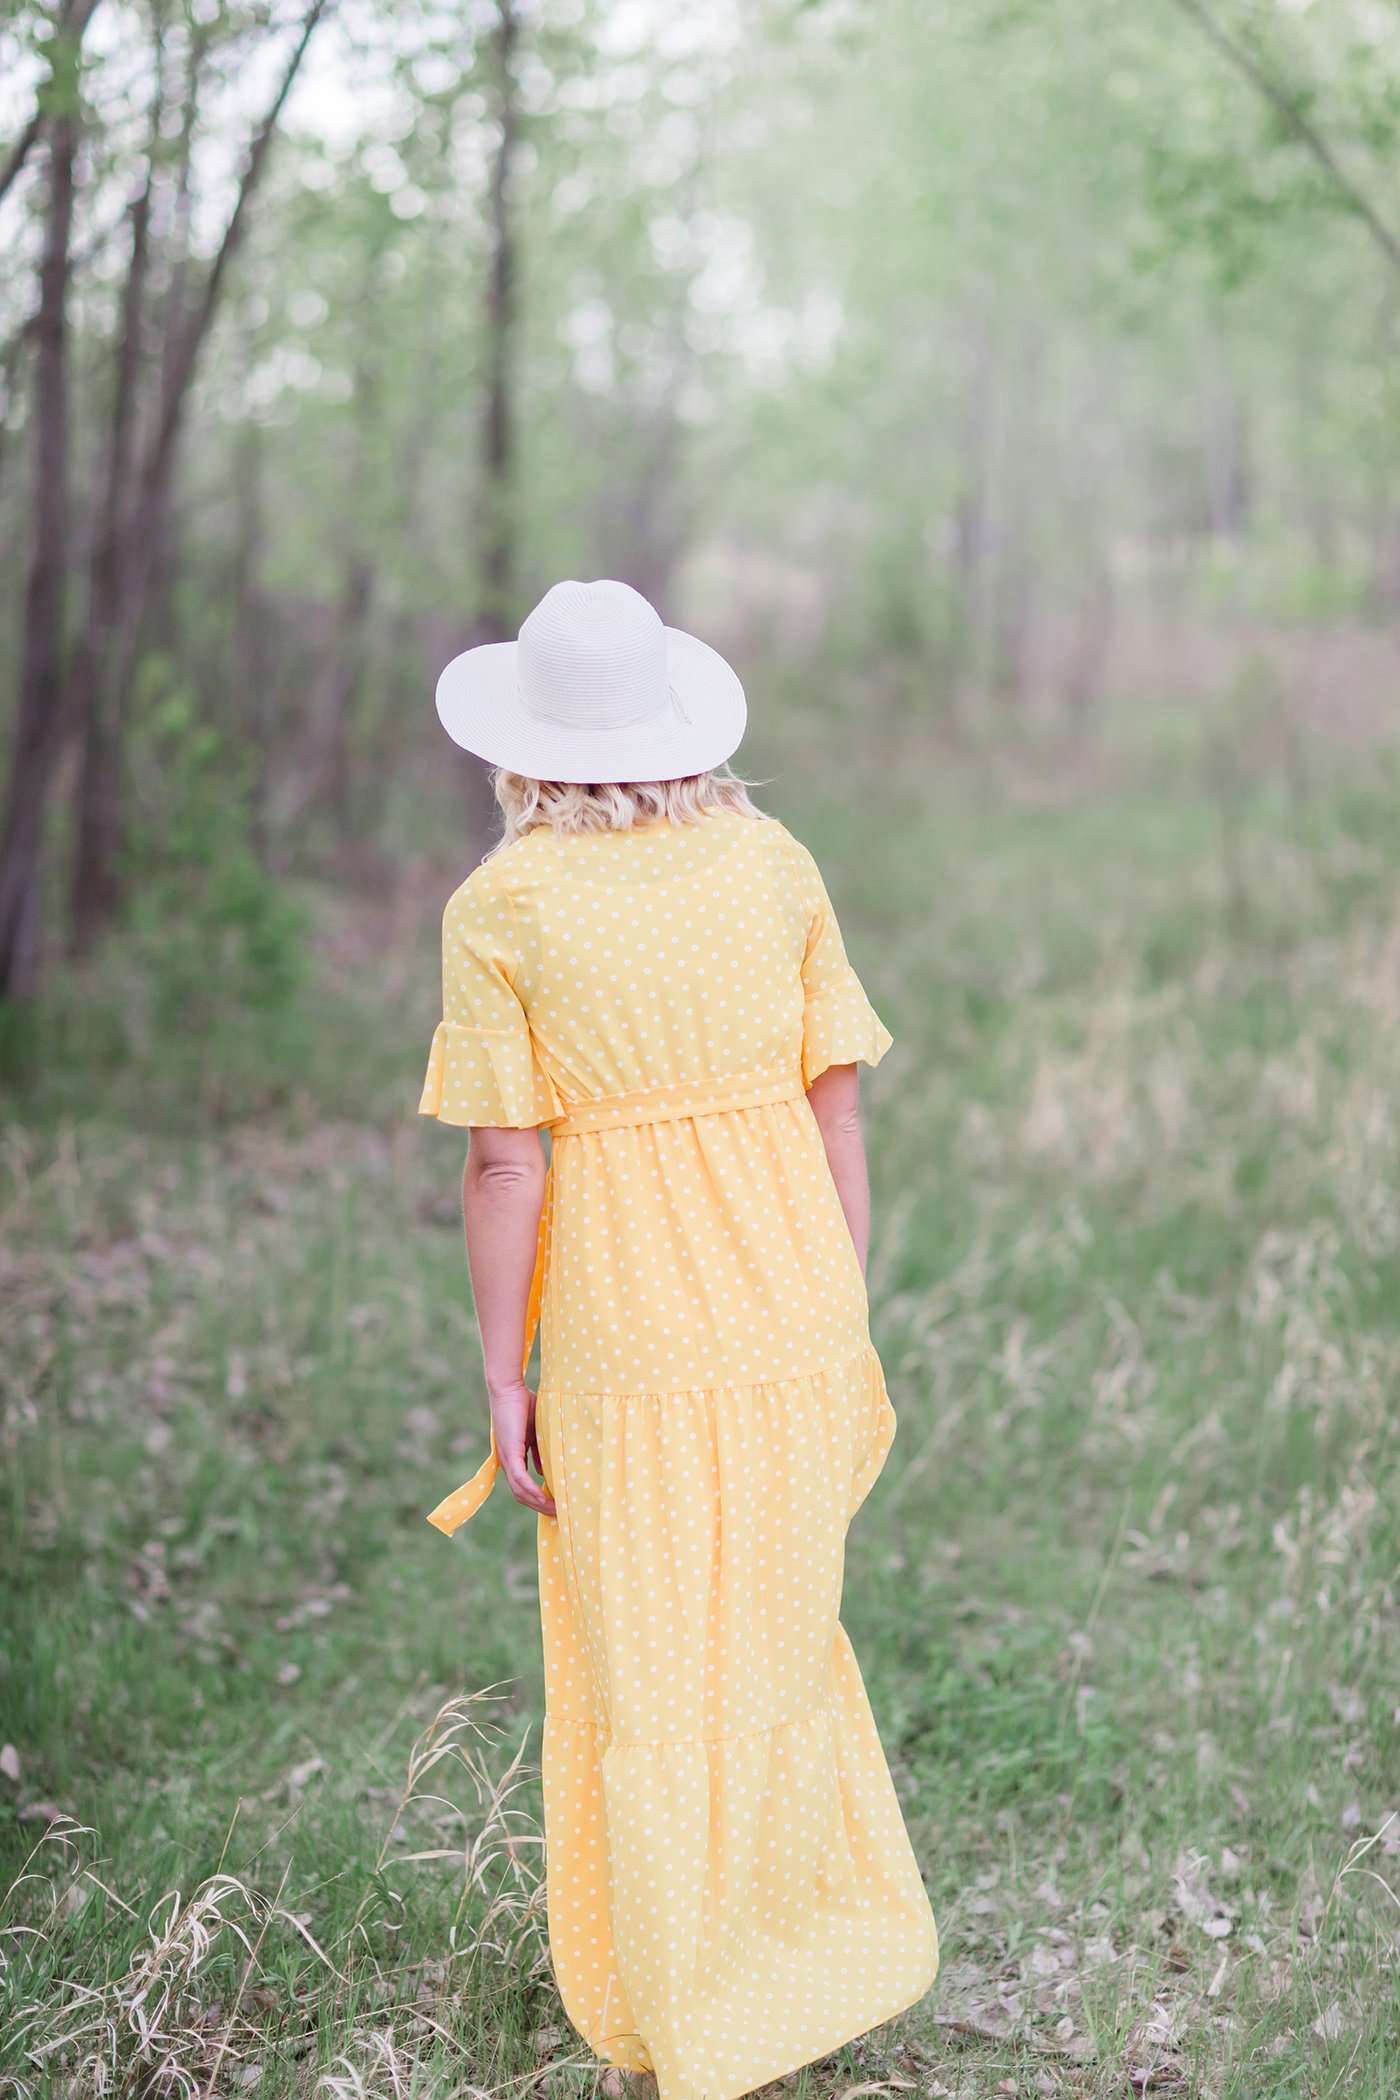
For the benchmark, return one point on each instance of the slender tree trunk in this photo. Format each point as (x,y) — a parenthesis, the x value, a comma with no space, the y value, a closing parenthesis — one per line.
(39,727)
(496,587)
(322,766)
(146,518)
(1227,449)
(22,338)
(1013,598)
(496,619)
(11,361)
(248,701)
(650,527)
(320,772)
(1082,677)
(176,234)
(20,152)
(94,887)
(966,621)
(159,629)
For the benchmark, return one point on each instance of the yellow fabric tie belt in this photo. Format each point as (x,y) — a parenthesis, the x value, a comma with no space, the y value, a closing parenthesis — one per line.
(660,1104)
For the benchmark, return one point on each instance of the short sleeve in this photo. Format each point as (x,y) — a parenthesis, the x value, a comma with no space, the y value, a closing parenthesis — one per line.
(482,1067)
(839,1025)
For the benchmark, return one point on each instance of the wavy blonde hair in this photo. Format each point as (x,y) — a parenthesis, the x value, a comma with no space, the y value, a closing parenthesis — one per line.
(613,805)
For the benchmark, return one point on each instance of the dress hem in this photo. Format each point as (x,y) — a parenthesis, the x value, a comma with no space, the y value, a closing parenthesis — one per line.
(854,2034)
(789,2064)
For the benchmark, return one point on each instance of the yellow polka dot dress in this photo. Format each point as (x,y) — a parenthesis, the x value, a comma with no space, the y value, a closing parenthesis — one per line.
(731,1887)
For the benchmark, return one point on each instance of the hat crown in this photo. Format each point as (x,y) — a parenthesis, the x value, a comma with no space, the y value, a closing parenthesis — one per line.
(593,656)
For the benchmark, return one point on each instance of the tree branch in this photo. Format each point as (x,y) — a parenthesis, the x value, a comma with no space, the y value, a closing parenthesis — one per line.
(191,340)
(142,523)
(1282,103)
(72,22)
(19,152)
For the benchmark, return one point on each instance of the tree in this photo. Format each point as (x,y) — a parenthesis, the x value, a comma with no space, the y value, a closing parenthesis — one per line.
(118,609)
(1290,108)
(39,725)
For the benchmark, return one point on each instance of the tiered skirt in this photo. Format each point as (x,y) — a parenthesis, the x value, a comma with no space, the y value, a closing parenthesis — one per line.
(731,1887)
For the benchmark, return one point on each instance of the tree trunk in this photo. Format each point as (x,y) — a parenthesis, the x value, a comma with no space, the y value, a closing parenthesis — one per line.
(248,700)
(11,361)
(322,766)
(496,585)
(1082,677)
(146,517)
(964,644)
(94,883)
(175,240)
(496,618)
(1011,581)
(38,726)
(1227,451)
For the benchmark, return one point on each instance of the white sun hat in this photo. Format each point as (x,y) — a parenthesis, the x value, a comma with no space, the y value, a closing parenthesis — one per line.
(594,688)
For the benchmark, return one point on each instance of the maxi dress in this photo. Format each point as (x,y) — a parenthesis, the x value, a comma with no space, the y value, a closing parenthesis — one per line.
(731,1890)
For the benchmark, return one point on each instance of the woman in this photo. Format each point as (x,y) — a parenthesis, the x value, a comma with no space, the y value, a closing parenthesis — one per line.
(649,968)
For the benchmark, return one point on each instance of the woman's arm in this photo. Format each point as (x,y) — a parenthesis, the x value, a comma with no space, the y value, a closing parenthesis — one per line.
(502,1190)
(835,1098)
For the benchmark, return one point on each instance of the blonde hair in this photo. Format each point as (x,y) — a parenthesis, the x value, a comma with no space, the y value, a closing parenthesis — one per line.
(614,805)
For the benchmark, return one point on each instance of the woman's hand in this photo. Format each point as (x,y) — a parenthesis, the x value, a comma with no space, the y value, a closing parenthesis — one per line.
(513,1419)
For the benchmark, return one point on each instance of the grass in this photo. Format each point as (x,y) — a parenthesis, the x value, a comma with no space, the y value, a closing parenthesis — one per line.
(1124,1596)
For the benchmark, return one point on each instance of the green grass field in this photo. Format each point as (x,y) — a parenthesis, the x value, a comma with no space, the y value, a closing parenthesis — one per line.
(1124,1595)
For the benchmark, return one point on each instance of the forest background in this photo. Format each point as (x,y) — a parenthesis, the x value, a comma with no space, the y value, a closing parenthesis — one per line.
(1010,388)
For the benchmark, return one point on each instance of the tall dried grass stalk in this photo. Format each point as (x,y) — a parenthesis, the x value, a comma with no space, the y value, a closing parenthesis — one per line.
(160,2020)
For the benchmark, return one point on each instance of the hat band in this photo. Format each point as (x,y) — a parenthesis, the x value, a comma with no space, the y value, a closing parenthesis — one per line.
(651,713)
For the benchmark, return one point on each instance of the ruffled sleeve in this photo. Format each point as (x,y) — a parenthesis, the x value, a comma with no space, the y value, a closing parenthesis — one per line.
(839,1025)
(482,1066)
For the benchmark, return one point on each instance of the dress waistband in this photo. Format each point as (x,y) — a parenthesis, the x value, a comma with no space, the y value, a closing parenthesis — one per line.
(658,1104)
(687,1097)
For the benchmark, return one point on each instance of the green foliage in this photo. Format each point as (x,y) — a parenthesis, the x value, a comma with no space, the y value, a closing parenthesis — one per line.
(205,978)
(217,935)
(60,94)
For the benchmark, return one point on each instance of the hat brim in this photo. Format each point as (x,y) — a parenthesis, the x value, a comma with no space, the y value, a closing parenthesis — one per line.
(480,707)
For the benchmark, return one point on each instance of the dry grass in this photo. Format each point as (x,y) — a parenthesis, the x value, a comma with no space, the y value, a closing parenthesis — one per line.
(186,2010)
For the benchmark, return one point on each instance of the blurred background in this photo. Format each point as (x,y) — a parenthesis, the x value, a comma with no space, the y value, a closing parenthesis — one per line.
(1011,390)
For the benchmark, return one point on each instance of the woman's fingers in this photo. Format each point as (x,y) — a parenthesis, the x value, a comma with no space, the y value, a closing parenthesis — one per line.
(524,1489)
(513,1416)
(532,1449)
